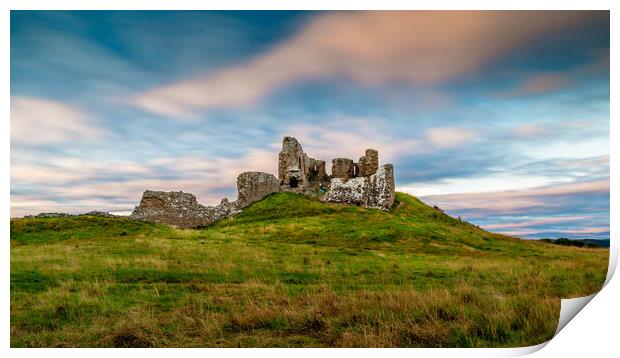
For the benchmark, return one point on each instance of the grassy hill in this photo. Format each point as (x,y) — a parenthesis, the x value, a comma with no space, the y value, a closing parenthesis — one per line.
(290,271)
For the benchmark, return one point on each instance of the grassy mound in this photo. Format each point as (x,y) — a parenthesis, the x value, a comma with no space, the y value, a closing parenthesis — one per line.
(290,271)
(39,230)
(410,225)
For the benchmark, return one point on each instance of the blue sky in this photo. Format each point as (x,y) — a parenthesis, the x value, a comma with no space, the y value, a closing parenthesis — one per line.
(501,118)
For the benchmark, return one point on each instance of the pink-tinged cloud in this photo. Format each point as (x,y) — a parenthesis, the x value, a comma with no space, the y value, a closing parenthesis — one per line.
(529,130)
(537,222)
(567,231)
(507,202)
(553,81)
(449,137)
(70,170)
(543,83)
(371,48)
(41,121)
(80,183)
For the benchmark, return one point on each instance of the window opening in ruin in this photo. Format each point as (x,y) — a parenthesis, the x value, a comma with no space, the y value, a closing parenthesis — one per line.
(354,171)
(293,182)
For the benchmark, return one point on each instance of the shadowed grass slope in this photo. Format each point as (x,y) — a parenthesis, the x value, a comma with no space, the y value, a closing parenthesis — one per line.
(290,271)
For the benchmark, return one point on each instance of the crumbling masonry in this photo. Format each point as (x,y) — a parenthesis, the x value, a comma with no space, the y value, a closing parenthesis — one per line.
(364,183)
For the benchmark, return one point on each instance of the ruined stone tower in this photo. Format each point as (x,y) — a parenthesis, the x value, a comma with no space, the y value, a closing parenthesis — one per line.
(293,164)
(369,163)
(296,170)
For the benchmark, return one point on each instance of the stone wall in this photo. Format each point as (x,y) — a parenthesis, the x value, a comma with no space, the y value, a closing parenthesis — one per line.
(351,192)
(376,191)
(173,208)
(382,188)
(342,168)
(183,210)
(253,186)
(369,163)
(316,171)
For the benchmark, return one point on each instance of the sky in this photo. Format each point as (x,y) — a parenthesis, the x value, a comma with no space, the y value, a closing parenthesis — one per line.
(501,118)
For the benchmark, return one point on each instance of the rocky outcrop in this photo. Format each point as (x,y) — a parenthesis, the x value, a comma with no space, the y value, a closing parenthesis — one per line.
(253,186)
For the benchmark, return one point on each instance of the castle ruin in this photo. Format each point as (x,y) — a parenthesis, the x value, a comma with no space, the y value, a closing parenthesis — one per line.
(364,183)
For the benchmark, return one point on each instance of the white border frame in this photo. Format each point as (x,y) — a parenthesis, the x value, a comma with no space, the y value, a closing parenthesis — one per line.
(592,332)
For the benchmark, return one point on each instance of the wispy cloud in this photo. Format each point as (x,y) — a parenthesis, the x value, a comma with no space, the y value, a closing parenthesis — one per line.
(529,130)
(543,82)
(370,48)
(41,121)
(576,209)
(538,83)
(449,137)
(511,201)
(79,185)
(537,222)
(575,233)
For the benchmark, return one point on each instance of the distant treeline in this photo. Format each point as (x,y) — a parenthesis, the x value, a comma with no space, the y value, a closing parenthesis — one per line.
(578,243)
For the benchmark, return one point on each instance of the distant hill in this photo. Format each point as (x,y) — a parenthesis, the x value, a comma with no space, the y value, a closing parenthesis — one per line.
(592,243)
(290,271)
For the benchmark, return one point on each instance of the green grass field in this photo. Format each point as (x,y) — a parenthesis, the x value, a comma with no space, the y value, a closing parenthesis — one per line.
(290,272)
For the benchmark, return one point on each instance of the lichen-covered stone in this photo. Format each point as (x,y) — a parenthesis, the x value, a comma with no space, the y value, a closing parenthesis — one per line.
(351,192)
(376,191)
(253,186)
(382,188)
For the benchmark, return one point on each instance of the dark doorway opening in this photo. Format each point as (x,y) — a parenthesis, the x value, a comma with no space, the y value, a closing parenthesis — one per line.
(293,182)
